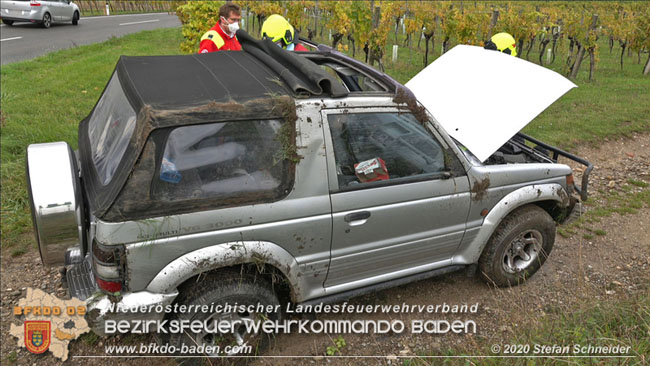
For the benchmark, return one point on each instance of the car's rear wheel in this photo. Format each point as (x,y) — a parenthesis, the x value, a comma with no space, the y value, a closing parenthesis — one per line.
(47,20)
(518,247)
(75,18)
(220,289)
(8,22)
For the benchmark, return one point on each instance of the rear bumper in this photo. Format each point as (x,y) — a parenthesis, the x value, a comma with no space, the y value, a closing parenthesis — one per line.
(133,307)
(31,16)
(100,307)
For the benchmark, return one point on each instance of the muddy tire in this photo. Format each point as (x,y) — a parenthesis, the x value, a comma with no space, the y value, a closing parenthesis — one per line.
(518,247)
(220,289)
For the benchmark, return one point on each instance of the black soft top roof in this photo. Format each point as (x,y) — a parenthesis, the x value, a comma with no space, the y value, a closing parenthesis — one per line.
(263,69)
(175,82)
(171,91)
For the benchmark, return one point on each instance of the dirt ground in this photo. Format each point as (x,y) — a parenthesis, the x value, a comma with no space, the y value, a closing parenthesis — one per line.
(612,266)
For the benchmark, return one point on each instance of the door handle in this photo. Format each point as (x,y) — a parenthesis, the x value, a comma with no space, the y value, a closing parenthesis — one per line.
(356,216)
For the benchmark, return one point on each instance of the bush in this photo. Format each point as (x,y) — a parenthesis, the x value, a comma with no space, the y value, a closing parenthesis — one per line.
(197,17)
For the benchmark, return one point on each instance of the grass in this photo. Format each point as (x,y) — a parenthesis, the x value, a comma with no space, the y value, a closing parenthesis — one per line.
(90,338)
(43,100)
(612,323)
(11,358)
(625,202)
(638,183)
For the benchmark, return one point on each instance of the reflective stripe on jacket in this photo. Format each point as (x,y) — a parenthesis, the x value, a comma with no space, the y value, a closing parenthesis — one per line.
(216,40)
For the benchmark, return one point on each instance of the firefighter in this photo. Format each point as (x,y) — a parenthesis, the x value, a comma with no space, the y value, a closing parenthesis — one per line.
(502,42)
(221,37)
(281,32)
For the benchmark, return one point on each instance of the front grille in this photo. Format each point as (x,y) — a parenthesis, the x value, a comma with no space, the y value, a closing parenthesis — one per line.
(81,281)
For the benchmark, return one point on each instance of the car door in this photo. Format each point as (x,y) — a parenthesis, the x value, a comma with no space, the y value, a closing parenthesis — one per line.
(65,11)
(54,8)
(407,221)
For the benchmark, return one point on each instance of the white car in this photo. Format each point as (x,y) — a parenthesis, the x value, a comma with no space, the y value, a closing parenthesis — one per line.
(43,12)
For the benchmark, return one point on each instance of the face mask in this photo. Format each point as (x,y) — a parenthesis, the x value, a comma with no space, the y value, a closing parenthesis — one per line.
(290,47)
(232,27)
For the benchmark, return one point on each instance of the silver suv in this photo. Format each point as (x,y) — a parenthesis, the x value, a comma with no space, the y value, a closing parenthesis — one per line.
(266,176)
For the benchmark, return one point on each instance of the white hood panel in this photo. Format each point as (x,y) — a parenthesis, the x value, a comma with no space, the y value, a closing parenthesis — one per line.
(482,98)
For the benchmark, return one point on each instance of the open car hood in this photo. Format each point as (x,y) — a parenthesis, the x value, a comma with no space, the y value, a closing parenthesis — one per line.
(482,98)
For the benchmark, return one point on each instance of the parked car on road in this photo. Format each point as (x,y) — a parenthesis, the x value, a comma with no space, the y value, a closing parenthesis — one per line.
(304,177)
(43,12)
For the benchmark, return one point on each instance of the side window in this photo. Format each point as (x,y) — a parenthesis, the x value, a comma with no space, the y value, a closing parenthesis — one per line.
(370,147)
(110,129)
(228,160)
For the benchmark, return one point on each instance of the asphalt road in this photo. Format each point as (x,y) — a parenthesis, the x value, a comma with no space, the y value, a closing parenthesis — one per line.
(24,41)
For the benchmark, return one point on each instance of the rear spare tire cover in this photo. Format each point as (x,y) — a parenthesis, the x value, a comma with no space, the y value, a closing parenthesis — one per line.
(55,199)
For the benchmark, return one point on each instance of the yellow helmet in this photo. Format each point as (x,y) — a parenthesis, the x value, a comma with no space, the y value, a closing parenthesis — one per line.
(277,29)
(502,42)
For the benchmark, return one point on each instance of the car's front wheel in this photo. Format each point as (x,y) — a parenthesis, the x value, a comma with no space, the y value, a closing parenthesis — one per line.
(75,18)
(220,289)
(8,22)
(518,247)
(47,20)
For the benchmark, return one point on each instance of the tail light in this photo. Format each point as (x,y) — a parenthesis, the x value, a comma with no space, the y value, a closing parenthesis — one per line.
(34,3)
(109,286)
(107,268)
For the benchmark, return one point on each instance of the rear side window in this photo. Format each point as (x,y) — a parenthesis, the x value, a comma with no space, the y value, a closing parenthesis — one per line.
(110,129)
(237,162)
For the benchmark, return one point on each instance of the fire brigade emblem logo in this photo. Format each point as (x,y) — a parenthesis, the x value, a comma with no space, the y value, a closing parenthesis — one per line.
(37,335)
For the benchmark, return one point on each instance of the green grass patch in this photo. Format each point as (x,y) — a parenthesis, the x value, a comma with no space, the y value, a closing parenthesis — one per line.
(44,99)
(19,250)
(12,357)
(627,202)
(90,338)
(611,323)
(638,183)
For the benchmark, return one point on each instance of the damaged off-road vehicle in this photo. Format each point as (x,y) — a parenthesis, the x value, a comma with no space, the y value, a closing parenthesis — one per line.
(265,176)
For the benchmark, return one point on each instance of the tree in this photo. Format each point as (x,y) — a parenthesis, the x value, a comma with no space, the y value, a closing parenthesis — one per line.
(642,31)
(337,21)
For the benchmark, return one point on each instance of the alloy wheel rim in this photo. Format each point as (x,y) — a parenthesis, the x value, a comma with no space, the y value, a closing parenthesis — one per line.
(522,251)
(240,336)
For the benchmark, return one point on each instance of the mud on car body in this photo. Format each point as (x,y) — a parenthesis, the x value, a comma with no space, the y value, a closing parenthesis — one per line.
(194,186)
